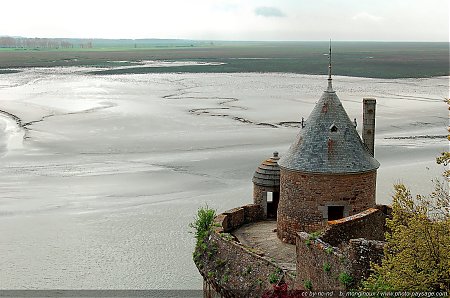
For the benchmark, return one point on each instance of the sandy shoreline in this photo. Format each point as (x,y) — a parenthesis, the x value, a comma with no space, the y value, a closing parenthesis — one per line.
(113,168)
(12,133)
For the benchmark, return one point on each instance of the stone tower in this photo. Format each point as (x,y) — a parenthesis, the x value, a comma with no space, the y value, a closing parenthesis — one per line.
(327,173)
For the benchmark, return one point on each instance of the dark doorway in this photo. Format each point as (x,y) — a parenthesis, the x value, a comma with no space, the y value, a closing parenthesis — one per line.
(272,204)
(335,212)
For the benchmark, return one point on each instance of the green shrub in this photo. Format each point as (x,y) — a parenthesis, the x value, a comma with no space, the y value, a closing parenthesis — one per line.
(307,284)
(326,267)
(203,222)
(345,279)
(416,254)
(314,235)
(376,283)
(274,278)
(220,262)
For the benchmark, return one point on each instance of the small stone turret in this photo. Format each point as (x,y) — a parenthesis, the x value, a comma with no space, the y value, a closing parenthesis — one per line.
(266,185)
(368,133)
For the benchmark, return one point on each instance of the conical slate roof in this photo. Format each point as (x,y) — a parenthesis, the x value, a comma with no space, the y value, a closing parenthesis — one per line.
(268,173)
(329,143)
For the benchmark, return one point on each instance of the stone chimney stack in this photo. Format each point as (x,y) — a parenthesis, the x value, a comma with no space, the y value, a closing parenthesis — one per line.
(368,132)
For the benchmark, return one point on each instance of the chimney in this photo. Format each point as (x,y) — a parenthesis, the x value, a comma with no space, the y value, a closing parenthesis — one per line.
(368,132)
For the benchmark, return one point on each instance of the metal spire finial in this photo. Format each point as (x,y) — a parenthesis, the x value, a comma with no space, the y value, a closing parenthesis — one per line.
(330,87)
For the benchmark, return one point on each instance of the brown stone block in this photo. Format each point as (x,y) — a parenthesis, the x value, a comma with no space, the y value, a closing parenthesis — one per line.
(236,217)
(252,213)
(223,221)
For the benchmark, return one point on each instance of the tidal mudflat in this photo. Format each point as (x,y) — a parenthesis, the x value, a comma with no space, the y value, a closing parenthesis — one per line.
(100,175)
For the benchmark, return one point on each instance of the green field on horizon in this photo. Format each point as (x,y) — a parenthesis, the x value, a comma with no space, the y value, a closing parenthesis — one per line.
(359,59)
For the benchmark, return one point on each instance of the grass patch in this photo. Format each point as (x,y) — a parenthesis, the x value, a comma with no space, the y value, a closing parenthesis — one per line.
(273,278)
(307,284)
(314,235)
(227,236)
(345,279)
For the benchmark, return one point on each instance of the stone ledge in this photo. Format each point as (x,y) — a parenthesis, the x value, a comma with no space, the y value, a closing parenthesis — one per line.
(368,224)
(236,217)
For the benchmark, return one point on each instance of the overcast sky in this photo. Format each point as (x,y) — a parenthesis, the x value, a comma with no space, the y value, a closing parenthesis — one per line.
(385,20)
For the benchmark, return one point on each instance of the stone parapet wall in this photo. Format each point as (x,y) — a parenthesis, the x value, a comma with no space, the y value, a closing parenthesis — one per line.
(236,217)
(369,224)
(346,247)
(230,269)
(314,257)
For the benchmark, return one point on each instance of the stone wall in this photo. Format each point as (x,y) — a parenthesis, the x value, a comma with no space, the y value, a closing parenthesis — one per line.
(236,217)
(327,260)
(319,264)
(230,269)
(362,252)
(369,224)
(326,268)
(304,198)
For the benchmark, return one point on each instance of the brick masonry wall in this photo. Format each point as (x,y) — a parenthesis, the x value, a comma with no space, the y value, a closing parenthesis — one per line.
(303,197)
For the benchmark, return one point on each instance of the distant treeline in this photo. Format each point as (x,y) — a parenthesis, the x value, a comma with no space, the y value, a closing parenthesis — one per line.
(84,43)
(43,43)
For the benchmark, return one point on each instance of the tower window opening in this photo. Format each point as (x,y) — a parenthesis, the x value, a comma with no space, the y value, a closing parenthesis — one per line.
(335,212)
(333,128)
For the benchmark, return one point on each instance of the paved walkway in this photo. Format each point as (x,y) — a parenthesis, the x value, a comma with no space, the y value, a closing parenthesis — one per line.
(262,236)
